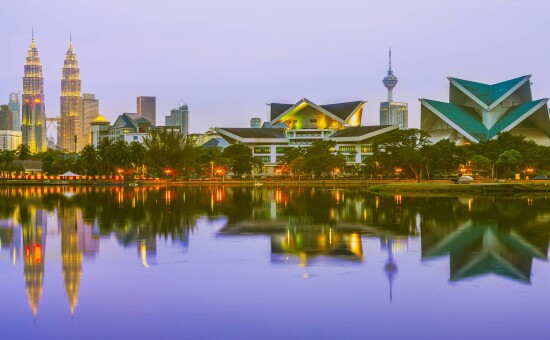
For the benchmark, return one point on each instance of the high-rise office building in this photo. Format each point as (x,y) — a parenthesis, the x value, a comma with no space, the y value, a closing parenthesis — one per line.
(15,108)
(147,107)
(70,129)
(6,118)
(90,111)
(179,117)
(255,122)
(393,113)
(33,126)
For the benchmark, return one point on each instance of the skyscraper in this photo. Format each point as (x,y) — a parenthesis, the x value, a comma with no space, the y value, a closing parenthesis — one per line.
(70,129)
(180,117)
(33,125)
(90,111)
(393,113)
(147,107)
(15,109)
(6,118)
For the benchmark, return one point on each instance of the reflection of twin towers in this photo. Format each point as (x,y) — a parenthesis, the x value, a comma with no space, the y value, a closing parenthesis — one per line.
(77,241)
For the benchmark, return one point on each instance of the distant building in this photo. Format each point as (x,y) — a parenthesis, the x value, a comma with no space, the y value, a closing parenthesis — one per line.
(130,127)
(10,139)
(393,113)
(179,117)
(99,130)
(90,111)
(6,118)
(255,122)
(15,108)
(147,108)
(478,112)
(33,125)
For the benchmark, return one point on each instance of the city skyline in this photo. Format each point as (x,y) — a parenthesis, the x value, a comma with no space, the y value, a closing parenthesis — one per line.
(230,78)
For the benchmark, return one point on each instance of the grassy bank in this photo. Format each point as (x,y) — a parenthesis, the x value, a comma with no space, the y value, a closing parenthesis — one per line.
(368,185)
(482,187)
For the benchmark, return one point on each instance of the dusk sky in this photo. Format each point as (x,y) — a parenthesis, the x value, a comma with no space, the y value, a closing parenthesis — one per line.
(227,59)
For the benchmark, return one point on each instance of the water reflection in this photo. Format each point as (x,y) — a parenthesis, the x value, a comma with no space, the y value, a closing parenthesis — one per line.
(305,225)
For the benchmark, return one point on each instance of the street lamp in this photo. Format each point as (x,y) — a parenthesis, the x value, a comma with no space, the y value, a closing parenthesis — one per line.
(529,172)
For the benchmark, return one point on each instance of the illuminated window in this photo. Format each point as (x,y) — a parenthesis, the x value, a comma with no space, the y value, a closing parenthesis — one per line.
(264,159)
(366,148)
(350,158)
(347,148)
(262,149)
(281,149)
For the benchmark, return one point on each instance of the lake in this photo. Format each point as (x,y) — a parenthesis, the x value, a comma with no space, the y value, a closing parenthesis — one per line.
(299,262)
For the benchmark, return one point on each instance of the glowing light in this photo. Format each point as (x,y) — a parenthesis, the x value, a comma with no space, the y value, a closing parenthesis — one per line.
(143,253)
(355,243)
(37,253)
(37,100)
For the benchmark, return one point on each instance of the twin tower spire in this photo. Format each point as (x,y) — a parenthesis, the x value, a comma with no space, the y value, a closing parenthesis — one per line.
(33,127)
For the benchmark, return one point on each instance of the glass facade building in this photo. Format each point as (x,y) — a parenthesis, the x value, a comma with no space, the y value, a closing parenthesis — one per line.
(147,107)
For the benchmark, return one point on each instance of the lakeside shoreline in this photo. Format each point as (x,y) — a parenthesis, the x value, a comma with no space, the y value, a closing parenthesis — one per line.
(369,185)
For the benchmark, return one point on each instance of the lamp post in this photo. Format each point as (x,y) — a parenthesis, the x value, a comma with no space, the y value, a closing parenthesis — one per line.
(529,172)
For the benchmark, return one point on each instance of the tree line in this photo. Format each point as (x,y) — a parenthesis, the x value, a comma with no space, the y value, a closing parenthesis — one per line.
(400,153)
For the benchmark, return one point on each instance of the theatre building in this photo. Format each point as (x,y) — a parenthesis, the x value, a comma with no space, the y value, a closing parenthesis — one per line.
(300,124)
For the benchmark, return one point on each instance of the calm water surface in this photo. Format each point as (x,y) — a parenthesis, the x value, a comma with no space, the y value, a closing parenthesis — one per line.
(248,263)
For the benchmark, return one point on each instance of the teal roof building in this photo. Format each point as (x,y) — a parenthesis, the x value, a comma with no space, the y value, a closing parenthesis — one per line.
(478,112)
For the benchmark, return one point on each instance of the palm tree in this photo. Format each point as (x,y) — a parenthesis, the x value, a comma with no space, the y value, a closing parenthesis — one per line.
(89,159)
(23,152)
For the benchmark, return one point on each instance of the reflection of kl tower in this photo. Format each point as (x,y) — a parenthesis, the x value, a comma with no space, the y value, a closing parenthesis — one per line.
(390,81)
(392,244)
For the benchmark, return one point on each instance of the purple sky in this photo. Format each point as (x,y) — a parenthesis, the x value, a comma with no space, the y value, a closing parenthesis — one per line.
(226,59)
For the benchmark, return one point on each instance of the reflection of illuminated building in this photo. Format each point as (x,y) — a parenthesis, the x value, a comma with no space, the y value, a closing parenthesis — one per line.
(481,248)
(147,251)
(304,241)
(71,255)
(34,245)
(10,239)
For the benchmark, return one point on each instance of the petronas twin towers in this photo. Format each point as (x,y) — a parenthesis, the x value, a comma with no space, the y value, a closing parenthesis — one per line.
(72,134)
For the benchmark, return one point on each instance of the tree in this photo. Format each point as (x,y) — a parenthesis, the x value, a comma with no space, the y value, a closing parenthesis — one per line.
(88,160)
(6,159)
(321,160)
(403,149)
(444,158)
(23,152)
(172,150)
(509,162)
(106,154)
(240,159)
(481,164)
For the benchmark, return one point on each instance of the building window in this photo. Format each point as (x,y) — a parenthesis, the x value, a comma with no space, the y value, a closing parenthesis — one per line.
(281,149)
(364,158)
(313,120)
(262,149)
(366,148)
(350,158)
(347,148)
(264,159)
(135,138)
